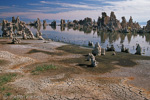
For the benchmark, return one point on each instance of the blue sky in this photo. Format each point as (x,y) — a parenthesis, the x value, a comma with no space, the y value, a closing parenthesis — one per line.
(75,9)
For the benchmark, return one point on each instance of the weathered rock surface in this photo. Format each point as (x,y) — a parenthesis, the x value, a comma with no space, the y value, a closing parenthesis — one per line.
(138,50)
(97,49)
(90,44)
(147,28)
(16,41)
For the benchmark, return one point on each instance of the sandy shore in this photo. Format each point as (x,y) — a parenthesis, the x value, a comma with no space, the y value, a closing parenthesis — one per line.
(68,81)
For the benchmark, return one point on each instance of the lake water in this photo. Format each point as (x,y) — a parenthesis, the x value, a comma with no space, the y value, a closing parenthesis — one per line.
(82,37)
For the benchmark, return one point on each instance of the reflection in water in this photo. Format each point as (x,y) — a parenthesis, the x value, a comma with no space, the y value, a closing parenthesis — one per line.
(38,28)
(82,35)
(62,28)
(44,27)
(53,27)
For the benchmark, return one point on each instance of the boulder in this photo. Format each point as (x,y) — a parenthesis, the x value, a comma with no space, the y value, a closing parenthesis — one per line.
(105,19)
(62,22)
(130,23)
(11,34)
(16,41)
(93,63)
(112,48)
(112,16)
(97,49)
(91,58)
(75,22)
(90,44)
(102,51)
(24,36)
(18,20)
(122,48)
(13,20)
(114,53)
(138,50)
(124,23)
(39,35)
(147,28)
(31,35)
(99,22)
(44,23)
(127,50)
(53,23)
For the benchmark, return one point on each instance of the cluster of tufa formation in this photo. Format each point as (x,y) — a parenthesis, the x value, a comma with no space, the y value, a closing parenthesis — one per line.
(111,48)
(123,49)
(9,28)
(20,28)
(105,23)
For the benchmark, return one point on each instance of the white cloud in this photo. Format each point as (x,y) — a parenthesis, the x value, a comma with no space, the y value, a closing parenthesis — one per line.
(47,9)
(139,9)
(4,7)
(81,5)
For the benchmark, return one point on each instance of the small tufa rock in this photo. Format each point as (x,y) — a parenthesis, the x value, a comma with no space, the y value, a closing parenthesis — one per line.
(39,35)
(11,34)
(90,44)
(114,53)
(102,51)
(16,41)
(24,36)
(91,58)
(112,48)
(97,49)
(138,50)
(93,63)
(127,50)
(122,48)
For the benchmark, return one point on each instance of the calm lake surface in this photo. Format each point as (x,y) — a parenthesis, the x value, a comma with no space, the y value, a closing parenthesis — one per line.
(82,38)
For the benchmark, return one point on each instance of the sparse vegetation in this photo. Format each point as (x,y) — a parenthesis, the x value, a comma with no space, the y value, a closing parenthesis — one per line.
(5,78)
(43,68)
(8,94)
(4,88)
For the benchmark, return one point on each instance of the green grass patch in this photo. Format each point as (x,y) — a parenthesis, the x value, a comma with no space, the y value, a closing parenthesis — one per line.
(42,68)
(5,78)
(8,94)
